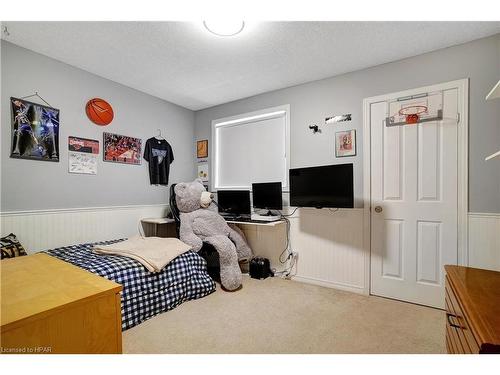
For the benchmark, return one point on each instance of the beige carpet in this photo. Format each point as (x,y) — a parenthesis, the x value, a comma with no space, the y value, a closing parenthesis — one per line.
(282,316)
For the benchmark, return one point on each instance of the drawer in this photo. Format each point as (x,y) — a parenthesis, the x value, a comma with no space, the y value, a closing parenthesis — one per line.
(455,317)
(454,341)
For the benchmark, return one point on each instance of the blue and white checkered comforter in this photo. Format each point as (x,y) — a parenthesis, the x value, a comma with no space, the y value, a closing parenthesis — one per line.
(145,294)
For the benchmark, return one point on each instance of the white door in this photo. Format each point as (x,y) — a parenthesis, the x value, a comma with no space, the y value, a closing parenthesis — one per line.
(414,209)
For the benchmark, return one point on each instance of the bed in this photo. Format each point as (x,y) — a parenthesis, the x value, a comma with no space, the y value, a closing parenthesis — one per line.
(145,294)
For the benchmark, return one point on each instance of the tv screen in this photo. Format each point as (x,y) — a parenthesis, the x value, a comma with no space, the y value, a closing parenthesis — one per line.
(267,195)
(234,202)
(326,186)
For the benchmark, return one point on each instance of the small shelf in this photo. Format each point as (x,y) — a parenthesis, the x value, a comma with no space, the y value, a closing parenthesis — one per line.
(495,92)
(494,155)
(159,220)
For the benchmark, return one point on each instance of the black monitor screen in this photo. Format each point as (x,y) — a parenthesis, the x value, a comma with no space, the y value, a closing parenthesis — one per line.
(267,195)
(326,186)
(234,202)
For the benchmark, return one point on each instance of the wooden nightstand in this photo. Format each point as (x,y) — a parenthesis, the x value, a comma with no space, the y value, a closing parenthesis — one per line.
(51,306)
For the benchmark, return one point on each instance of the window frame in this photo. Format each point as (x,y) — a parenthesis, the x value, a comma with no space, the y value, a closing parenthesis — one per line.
(245,118)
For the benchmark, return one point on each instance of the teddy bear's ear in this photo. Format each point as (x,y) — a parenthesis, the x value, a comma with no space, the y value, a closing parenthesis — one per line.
(181,186)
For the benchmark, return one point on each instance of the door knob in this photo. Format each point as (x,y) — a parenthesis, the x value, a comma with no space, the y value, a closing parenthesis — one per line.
(378,209)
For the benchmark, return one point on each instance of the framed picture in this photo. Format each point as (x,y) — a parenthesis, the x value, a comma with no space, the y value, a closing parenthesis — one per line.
(122,149)
(35,131)
(202,149)
(203,172)
(345,143)
(82,155)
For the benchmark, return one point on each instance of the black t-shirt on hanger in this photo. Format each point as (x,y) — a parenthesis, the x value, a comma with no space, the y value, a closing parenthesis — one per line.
(159,154)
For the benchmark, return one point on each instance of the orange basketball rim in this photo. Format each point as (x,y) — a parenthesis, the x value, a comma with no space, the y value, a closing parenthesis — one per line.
(412,113)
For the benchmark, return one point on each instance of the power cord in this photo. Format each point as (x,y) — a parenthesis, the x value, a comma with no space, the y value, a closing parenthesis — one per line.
(288,249)
(285,216)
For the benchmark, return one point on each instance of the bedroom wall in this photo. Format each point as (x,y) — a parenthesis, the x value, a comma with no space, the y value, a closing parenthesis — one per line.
(337,258)
(37,185)
(310,103)
(43,204)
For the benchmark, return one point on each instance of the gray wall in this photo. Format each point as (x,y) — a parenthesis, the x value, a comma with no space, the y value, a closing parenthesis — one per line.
(29,185)
(310,103)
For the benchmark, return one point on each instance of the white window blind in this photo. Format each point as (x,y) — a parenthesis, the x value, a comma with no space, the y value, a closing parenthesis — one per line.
(251,148)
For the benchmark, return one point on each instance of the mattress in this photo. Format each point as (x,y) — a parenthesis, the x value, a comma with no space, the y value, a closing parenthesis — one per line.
(145,294)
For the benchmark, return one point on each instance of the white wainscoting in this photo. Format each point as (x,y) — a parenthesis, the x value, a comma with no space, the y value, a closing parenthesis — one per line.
(330,244)
(330,247)
(484,241)
(47,229)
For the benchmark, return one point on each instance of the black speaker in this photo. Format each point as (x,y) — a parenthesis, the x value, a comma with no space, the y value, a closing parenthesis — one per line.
(260,268)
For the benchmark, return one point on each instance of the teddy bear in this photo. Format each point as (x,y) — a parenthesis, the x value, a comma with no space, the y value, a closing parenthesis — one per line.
(200,222)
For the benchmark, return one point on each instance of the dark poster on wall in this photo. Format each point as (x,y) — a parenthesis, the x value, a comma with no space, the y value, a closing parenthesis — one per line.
(35,131)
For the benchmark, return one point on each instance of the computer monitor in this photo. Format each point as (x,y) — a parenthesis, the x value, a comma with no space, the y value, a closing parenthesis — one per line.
(268,196)
(234,202)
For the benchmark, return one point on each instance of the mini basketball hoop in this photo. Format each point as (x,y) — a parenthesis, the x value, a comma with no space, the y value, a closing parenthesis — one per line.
(412,113)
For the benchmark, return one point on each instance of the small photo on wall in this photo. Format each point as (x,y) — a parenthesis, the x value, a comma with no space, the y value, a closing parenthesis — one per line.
(345,143)
(122,149)
(203,172)
(35,131)
(202,149)
(82,155)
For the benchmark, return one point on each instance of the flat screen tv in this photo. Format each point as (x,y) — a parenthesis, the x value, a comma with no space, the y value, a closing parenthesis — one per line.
(329,186)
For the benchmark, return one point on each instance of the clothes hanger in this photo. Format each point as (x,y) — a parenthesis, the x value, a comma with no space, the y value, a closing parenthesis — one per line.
(159,135)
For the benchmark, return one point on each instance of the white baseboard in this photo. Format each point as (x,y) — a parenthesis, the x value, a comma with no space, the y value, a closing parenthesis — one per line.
(331,284)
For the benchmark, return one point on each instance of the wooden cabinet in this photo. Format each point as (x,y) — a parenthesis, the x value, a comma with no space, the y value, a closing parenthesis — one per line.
(51,306)
(472,310)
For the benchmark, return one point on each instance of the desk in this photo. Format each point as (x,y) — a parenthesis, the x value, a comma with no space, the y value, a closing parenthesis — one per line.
(266,239)
(167,227)
(50,306)
(270,223)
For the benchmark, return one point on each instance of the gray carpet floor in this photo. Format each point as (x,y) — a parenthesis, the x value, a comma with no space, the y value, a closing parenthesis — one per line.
(283,316)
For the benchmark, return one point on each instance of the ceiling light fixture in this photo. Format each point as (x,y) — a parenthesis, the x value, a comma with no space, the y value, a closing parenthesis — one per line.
(224,27)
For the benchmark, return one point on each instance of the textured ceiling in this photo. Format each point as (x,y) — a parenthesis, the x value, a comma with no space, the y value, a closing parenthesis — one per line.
(182,63)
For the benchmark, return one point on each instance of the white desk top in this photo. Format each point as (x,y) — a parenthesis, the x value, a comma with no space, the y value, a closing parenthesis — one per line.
(158,220)
(271,223)
(165,220)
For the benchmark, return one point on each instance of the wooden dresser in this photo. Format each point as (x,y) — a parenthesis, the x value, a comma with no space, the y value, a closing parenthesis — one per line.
(472,310)
(51,306)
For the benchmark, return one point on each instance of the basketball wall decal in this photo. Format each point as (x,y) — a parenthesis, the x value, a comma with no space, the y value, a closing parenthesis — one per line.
(99,111)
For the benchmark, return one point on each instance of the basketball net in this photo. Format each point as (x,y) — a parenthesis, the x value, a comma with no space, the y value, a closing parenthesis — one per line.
(412,113)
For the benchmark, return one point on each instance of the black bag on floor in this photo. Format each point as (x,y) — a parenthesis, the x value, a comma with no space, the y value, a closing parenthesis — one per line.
(211,256)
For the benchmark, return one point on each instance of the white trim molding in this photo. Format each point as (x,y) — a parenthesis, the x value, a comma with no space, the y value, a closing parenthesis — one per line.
(462,86)
(330,284)
(78,209)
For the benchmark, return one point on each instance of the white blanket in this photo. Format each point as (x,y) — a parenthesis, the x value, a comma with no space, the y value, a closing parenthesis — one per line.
(153,252)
